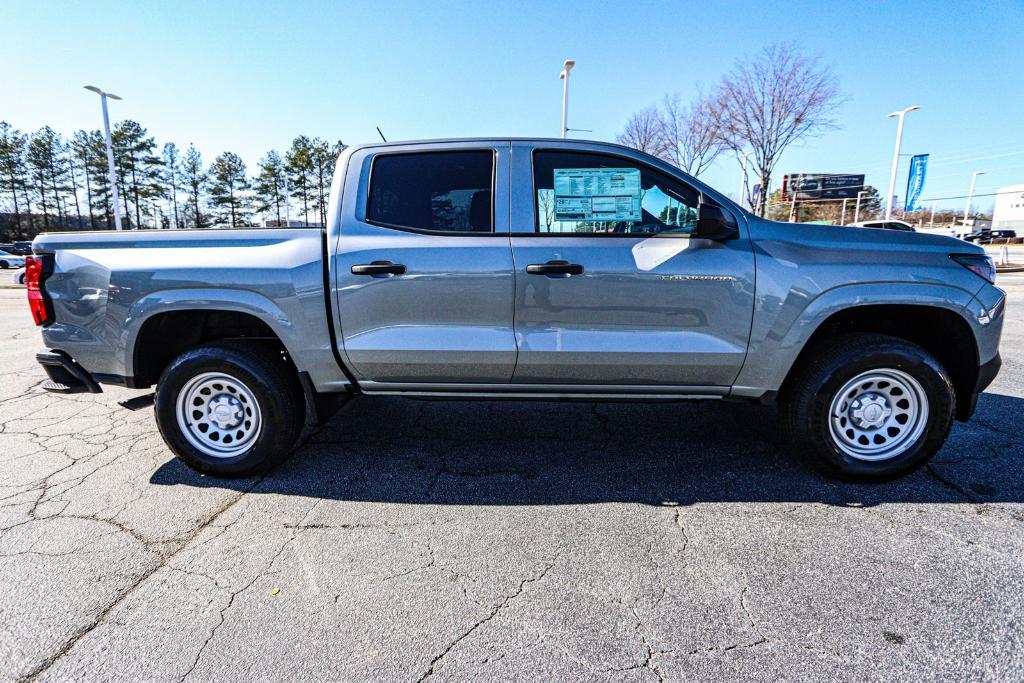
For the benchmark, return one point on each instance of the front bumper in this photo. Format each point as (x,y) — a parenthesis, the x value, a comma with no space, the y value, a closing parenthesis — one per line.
(986,373)
(66,376)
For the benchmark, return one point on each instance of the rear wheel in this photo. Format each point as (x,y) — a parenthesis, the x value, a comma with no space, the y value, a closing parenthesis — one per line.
(870,407)
(230,408)
(5,265)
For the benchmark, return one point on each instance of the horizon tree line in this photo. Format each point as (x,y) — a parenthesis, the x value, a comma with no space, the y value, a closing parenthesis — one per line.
(52,182)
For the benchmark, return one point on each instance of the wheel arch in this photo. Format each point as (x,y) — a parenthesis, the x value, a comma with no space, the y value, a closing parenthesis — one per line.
(944,332)
(162,325)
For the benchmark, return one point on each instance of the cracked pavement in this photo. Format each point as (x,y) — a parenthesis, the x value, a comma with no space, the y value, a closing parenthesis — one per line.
(415,541)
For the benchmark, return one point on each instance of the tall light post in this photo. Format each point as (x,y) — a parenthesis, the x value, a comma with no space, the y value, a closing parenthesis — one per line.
(743,179)
(566,68)
(110,152)
(856,210)
(896,158)
(970,196)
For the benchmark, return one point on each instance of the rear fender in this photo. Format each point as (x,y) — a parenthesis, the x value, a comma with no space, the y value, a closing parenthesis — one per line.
(208,299)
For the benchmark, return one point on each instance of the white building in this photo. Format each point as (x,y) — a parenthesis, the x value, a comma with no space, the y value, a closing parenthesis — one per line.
(1009,208)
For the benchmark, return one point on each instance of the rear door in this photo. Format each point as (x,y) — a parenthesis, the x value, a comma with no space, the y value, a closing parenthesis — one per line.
(611,290)
(424,265)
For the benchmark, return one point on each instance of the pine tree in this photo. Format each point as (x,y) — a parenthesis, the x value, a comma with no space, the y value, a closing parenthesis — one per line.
(48,172)
(80,150)
(270,185)
(194,180)
(98,171)
(56,170)
(301,171)
(322,158)
(68,158)
(139,167)
(172,159)
(228,185)
(13,173)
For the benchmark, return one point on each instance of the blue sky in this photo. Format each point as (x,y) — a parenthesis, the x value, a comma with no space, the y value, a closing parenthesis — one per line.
(249,76)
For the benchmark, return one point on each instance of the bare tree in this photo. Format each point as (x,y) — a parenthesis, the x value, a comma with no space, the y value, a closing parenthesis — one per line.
(644,132)
(773,100)
(691,134)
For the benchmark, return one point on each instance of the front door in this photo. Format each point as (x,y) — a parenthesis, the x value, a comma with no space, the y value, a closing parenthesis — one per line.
(610,287)
(424,266)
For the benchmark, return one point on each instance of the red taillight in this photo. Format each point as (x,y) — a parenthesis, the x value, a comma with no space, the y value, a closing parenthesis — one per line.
(37,302)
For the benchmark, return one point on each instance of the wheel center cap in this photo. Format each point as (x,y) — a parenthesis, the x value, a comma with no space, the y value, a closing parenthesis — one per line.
(225,412)
(869,411)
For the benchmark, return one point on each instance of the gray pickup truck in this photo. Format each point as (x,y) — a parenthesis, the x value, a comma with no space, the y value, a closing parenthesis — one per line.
(515,268)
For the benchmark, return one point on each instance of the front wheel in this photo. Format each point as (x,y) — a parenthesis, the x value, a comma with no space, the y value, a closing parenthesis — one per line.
(230,408)
(869,406)
(5,265)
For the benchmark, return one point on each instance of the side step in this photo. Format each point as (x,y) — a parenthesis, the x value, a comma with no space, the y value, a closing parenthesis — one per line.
(66,376)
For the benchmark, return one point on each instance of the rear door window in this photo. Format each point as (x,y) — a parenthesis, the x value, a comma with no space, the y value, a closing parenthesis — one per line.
(445,192)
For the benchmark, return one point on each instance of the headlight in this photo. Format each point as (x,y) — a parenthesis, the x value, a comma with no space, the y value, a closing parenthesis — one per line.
(980,264)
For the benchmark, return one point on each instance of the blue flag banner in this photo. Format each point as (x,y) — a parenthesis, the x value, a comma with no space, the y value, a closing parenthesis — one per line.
(915,182)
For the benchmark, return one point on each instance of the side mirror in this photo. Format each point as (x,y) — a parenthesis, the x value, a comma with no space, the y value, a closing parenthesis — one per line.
(715,223)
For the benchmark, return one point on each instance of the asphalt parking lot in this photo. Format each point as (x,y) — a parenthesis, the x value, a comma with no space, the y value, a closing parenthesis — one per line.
(516,541)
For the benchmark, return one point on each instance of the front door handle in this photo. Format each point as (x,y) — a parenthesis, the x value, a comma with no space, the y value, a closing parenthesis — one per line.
(379,268)
(556,267)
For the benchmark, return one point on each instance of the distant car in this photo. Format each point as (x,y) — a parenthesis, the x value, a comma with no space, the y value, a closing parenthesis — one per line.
(993,235)
(21,249)
(8,260)
(18,277)
(885,225)
(976,236)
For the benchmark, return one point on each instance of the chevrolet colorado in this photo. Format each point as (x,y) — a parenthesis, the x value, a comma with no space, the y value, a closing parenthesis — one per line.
(525,268)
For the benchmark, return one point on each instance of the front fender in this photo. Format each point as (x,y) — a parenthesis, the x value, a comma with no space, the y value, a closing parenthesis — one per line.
(782,327)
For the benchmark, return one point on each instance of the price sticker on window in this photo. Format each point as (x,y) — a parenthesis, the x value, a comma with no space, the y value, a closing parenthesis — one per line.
(597,194)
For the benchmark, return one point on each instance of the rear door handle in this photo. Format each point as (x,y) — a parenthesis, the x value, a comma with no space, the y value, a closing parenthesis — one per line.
(379,268)
(556,267)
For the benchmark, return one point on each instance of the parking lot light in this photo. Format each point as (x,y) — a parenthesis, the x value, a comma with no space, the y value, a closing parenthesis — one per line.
(566,68)
(970,196)
(896,158)
(110,152)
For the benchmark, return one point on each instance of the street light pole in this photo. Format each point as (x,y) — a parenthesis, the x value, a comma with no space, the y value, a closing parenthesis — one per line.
(110,153)
(970,195)
(743,180)
(566,68)
(895,158)
(856,210)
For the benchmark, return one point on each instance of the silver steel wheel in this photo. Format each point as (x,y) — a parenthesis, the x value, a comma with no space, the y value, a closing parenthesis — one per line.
(878,414)
(218,414)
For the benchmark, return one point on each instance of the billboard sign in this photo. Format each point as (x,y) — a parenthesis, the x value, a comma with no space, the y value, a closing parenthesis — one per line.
(809,186)
(915,182)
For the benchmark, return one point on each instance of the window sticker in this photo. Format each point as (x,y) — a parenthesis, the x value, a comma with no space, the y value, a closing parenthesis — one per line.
(597,194)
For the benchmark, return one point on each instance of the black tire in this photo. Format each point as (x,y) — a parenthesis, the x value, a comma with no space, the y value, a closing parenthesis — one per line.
(270,381)
(4,265)
(807,399)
